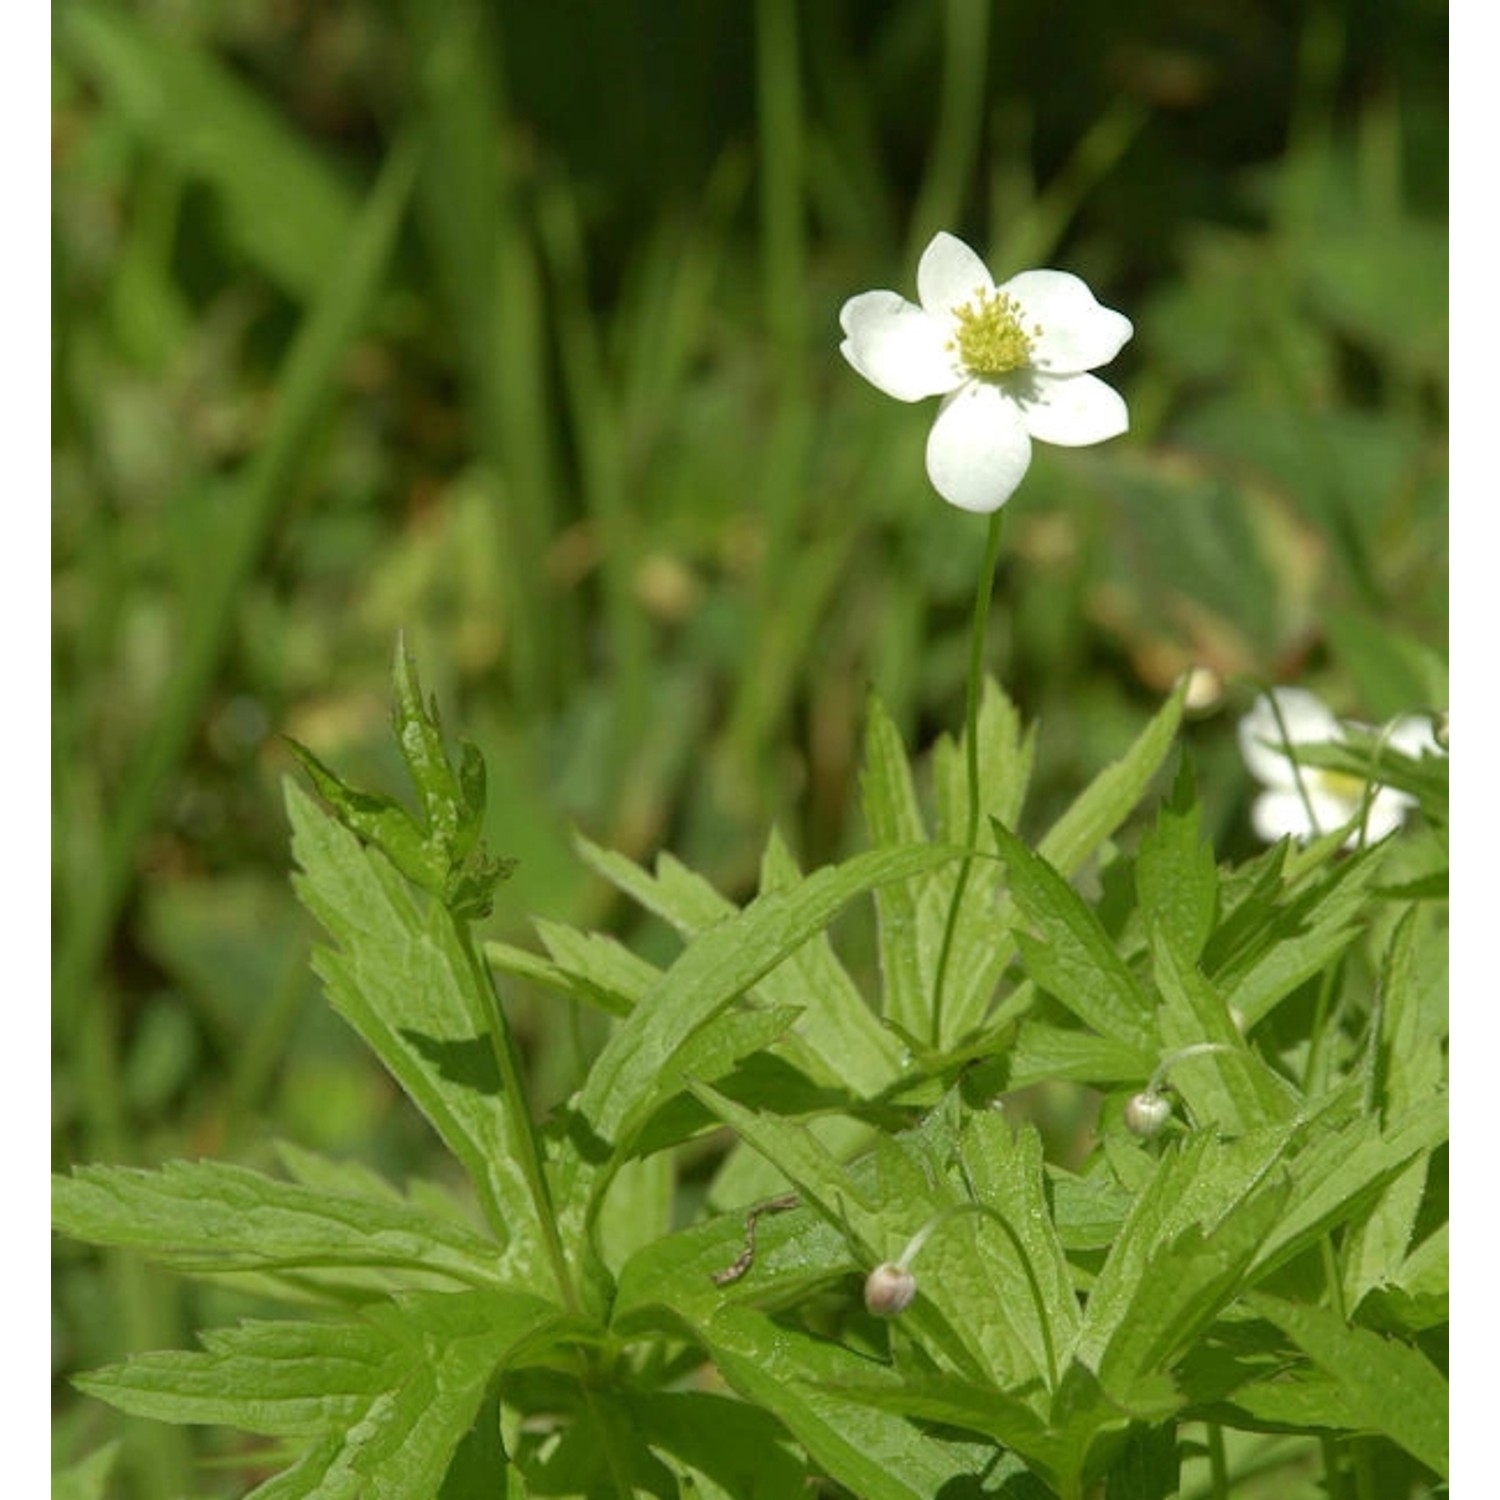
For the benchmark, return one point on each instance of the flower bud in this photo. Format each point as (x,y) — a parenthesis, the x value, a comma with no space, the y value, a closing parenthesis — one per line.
(889,1289)
(1146,1113)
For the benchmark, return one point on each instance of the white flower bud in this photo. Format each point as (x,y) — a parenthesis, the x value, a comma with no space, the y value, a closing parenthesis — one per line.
(1146,1113)
(889,1289)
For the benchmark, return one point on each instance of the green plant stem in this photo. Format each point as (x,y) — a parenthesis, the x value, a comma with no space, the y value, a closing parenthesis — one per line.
(971,748)
(523,1129)
(1218,1464)
(921,1237)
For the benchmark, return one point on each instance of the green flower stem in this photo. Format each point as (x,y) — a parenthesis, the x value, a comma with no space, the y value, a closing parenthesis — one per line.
(1196,1049)
(920,1238)
(523,1128)
(971,748)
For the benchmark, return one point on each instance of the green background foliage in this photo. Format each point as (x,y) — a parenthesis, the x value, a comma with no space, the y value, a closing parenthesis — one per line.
(513,327)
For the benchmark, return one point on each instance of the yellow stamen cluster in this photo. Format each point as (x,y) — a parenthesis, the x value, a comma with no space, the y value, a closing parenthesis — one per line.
(990,339)
(1338,783)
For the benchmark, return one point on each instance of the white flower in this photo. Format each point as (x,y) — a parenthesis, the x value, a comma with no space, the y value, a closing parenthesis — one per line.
(1008,362)
(1307,801)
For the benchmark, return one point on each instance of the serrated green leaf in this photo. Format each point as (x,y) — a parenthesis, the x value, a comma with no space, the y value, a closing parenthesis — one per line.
(719,965)
(386,1400)
(1196,1186)
(968,1271)
(674,893)
(1342,1169)
(1088,1211)
(1391,1388)
(1297,937)
(1073,958)
(378,820)
(402,979)
(213,1217)
(1413,1015)
(1044,1052)
(1190,1279)
(1006,1172)
(838,1027)
(1175,879)
(588,967)
(1114,793)
(797,1378)
(1231,1089)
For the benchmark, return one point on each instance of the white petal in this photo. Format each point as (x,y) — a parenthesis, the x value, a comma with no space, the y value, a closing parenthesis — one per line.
(897,347)
(1071,410)
(949,274)
(1077,333)
(1388,809)
(1279,813)
(1308,720)
(977,451)
(1412,735)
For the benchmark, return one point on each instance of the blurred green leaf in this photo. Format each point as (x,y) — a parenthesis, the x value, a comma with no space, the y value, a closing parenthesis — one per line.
(285,206)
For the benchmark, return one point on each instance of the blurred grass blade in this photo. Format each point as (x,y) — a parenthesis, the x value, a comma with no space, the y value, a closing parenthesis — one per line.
(960,124)
(306,387)
(285,207)
(489,279)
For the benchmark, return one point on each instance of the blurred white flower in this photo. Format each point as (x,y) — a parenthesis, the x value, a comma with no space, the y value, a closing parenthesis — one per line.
(1008,361)
(1307,801)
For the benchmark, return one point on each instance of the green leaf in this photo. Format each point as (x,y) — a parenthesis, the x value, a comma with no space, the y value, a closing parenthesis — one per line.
(87,1478)
(1189,1281)
(1232,1089)
(977,960)
(1176,883)
(723,1446)
(798,1378)
(1413,1016)
(1073,958)
(214,1217)
(1044,1052)
(403,980)
(1114,793)
(386,1400)
(838,1026)
(718,966)
(894,820)
(1007,1175)
(1390,1387)
(968,1279)
(442,853)
(1277,949)
(591,968)
(1196,1186)
(1343,1169)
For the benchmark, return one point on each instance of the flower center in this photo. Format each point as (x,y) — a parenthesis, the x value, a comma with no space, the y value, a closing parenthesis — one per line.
(988,335)
(1341,784)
